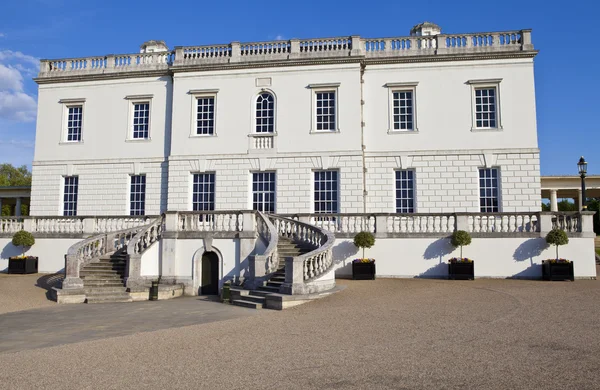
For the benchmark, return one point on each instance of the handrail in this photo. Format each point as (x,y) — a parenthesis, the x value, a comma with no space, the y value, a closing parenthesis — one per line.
(320,260)
(267,231)
(146,237)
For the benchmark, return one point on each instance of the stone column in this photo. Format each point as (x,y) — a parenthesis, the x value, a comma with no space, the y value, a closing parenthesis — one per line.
(553,201)
(169,246)
(18,207)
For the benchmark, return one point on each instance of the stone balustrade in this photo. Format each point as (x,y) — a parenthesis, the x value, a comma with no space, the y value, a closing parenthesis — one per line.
(79,226)
(293,50)
(142,241)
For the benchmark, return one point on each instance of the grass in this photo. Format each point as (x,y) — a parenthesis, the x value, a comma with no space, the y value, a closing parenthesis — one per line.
(598,251)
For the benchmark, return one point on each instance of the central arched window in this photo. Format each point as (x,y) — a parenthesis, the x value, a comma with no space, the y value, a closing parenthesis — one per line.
(265,113)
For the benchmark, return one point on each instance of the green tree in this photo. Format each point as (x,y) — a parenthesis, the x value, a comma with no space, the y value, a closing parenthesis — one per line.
(14,177)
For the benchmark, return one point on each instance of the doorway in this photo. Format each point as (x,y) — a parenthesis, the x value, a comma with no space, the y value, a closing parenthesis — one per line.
(210,274)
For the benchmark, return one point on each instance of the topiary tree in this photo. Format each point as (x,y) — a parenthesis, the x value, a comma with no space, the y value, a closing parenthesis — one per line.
(557,237)
(23,238)
(460,238)
(364,240)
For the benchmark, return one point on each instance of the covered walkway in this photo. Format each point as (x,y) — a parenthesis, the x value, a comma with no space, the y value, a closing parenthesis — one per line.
(560,187)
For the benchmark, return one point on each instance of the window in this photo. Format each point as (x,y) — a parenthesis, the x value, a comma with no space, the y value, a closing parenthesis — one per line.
(205,115)
(263,191)
(137,195)
(141,120)
(486,104)
(489,190)
(485,108)
(70,196)
(74,123)
(265,113)
(325,111)
(326,192)
(203,191)
(405,191)
(403,110)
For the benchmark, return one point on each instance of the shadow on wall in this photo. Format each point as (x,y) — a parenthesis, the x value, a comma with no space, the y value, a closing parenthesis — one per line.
(438,271)
(341,252)
(526,252)
(10,250)
(438,250)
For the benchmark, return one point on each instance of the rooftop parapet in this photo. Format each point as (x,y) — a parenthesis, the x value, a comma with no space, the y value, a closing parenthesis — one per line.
(293,51)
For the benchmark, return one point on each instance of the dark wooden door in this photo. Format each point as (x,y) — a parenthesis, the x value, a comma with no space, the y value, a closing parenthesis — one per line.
(210,274)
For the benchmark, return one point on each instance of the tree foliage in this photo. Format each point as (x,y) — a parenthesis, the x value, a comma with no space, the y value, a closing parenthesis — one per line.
(557,237)
(23,239)
(364,240)
(460,238)
(13,177)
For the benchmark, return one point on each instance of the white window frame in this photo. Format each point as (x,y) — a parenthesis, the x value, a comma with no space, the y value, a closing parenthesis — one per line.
(318,88)
(414,189)
(486,84)
(499,189)
(191,202)
(62,195)
(129,193)
(274,190)
(402,87)
(199,94)
(68,103)
(254,112)
(313,189)
(132,100)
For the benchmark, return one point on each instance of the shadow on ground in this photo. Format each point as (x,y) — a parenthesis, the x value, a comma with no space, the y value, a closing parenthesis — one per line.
(48,281)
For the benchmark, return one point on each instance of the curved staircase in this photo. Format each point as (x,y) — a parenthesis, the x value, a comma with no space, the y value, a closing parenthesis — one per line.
(103,280)
(255,299)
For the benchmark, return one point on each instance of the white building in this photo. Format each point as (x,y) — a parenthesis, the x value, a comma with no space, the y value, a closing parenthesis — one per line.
(410,137)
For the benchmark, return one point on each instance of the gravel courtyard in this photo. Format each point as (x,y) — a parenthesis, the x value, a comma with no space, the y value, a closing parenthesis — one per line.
(388,333)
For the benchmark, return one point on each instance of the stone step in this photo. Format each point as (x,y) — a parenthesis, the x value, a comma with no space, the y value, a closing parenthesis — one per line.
(278,278)
(97,291)
(103,283)
(94,271)
(96,277)
(254,298)
(109,267)
(248,304)
(108,298)
(258,293)
(269,289)
(273,283)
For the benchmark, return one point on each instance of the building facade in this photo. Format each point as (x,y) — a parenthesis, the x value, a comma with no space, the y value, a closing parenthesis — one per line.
(427,123)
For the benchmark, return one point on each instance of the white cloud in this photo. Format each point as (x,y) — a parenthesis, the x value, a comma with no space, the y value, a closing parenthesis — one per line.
(2,35)
(279,37)
(15,103)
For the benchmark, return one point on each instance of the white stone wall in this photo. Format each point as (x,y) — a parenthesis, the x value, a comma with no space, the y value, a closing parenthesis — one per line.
(103,186)
(449,182)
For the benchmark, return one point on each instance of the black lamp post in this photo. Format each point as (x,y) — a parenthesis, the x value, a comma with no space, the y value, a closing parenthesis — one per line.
(582,166)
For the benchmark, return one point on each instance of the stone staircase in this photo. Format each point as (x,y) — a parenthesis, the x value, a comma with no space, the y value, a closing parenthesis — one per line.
(255,299)
(103,280)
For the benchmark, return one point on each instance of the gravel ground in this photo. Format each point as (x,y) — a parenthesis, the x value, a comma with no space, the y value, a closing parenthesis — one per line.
(23,292)
(402,334)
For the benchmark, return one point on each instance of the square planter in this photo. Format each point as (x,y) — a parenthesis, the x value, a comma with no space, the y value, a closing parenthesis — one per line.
(461,271)
(19,265)
(363,271)
(557,271)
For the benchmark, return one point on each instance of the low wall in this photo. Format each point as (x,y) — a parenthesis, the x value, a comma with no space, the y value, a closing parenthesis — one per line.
(494,257)
(51,253)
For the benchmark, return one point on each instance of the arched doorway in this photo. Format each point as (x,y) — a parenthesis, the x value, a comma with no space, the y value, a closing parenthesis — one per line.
(209,283)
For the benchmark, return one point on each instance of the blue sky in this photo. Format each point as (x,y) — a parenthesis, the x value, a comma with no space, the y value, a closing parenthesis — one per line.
(566,69)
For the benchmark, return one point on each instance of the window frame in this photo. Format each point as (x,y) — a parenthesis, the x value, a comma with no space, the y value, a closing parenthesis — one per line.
(129,193)
(410,86)
(64,193)
(199,94)
(498,188)
(321,88)
(486,84)
(313,191)
(255,112)
(214,192)
(414,190)
(66,105)
(274,192)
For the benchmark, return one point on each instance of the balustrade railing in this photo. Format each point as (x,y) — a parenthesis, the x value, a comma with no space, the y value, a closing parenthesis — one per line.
(56,225)
(212,221)
(268,233)
(504,223)
(111,224)
(567,221)
(10,224)
(420,223)
(150,234)
(518,40)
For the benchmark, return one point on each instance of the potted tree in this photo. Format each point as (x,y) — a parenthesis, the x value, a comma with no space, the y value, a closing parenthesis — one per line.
(557,269)
(23,264)
(363,268)
(461,267)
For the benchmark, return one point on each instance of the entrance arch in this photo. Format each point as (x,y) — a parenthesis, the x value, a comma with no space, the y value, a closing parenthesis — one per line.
(209,280)
(198,267)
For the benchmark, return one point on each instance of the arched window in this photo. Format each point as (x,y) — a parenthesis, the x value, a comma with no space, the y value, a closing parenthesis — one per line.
(265,113)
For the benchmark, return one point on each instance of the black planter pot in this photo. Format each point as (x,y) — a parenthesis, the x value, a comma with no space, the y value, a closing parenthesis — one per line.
(363,271)
(557,271)
(461,271)
(19,265)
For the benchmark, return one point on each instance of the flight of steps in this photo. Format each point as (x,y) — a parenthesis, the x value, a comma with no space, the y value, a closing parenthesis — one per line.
(255,299)
(103,280)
